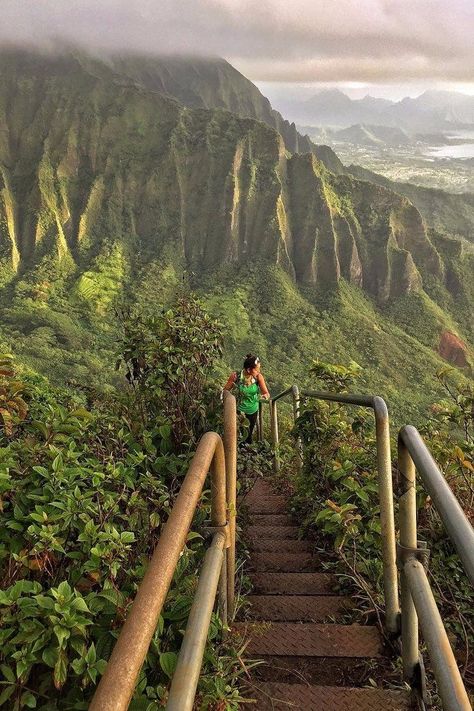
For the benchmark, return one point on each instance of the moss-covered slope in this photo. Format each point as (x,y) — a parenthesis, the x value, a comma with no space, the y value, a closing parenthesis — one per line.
(86,162)
(108,188)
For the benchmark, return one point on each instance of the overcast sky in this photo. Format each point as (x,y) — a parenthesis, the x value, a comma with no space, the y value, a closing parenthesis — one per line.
(359,43)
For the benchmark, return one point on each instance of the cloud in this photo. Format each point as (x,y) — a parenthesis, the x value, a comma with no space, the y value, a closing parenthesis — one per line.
(269,40)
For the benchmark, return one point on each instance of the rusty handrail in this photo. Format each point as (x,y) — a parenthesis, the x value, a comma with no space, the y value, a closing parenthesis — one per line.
(230,451)
(117,685)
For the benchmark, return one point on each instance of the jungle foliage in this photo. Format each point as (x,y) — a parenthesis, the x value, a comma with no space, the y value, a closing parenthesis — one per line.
(86,481)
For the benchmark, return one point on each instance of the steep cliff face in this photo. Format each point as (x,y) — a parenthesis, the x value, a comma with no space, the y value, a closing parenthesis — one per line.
(445,212)
(214,83)
(87,163)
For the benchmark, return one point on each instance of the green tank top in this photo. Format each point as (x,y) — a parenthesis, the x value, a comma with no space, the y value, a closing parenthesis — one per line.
(249,396)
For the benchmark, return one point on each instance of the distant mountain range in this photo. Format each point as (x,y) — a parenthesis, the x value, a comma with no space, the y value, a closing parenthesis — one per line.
(369,135)
(432,111)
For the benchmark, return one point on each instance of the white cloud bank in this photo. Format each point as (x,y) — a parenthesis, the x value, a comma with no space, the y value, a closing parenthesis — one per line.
(269,40)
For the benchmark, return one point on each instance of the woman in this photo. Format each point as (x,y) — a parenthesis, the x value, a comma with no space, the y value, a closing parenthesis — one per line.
(251,385)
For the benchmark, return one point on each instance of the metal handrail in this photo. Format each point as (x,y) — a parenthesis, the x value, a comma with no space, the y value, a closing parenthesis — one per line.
(117,685)
(294,391)
(418,602)
(453,517)
(384,469)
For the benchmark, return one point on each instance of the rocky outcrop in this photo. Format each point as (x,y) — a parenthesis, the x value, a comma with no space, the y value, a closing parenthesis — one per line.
(453,349)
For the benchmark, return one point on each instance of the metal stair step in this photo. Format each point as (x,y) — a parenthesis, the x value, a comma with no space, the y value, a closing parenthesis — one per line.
(336,671)
(260,488)
(274,545)
(294,583)
(271,520)
(309,639)
(297,608)
(282,697)
(284,562)
(285,532)
(274,504)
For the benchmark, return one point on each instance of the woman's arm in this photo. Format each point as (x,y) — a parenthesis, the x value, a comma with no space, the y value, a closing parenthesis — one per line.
(263,386)
(231,381)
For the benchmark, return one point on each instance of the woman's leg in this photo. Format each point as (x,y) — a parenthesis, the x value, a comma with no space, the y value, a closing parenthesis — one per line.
(252,422)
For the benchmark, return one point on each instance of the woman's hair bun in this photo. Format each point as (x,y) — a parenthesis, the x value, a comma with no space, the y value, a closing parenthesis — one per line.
(250,361)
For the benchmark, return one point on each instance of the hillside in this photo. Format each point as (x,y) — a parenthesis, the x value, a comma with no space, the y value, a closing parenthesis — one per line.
(214,83)
(369,135)
(113,193)
(446,212)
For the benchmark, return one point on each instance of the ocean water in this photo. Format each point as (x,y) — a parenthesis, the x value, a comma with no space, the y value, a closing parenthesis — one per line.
(462,150)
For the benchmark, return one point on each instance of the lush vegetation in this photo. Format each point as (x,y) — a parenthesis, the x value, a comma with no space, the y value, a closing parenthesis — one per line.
(86,481)
(95,246)
(90,219)
(336,492)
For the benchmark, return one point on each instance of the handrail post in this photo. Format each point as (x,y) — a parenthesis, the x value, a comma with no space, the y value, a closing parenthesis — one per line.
(408,539)
(387,518)
(296,413)
(230,453)
(260,423)
(274,431)
(443,662)
(453,517)
(219,519)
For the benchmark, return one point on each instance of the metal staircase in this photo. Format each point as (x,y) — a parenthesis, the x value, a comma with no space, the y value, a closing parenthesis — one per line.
(315,658)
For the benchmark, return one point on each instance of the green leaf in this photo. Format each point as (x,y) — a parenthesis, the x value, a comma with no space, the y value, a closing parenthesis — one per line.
(45,602)
(4,599)
(8,673)
(6,693)
(91,655)
(64,589)
(101,665)
(79,604)
(50,656)
(28,700)
(127,537)
(168,661)
(60,670)
(192,535)
(62,634)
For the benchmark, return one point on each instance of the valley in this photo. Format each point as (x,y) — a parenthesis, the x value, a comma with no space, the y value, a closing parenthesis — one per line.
(442,161)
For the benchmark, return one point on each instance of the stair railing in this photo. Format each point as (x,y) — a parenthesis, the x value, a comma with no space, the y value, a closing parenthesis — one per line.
(385,489)
(117,685)
(410,555)
(417,600)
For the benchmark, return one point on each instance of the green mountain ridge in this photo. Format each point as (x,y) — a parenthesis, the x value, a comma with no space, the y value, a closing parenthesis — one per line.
(110,190)
(214,83)
(70,170)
